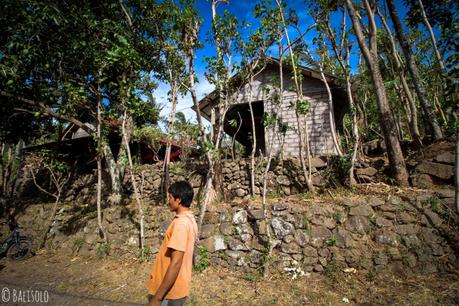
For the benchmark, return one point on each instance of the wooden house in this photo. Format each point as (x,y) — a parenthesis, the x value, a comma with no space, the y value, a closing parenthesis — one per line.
(321,119)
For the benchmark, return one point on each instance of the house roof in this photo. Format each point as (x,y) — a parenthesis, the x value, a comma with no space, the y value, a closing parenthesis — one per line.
(210,99)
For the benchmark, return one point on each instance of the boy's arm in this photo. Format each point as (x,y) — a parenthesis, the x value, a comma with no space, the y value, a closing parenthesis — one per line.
(169,278)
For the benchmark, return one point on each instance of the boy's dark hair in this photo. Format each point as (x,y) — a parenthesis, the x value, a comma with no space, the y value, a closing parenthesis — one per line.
(183,191)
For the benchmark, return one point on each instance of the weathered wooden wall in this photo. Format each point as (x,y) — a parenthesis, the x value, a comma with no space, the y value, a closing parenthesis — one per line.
(318,119)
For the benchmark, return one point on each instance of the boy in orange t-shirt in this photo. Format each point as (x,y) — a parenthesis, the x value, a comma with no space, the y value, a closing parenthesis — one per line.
(170,278)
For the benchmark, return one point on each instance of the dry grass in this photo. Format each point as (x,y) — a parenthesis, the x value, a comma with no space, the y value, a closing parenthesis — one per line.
(124,281)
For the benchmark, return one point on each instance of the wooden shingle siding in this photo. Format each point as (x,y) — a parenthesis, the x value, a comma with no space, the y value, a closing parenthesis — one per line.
(318,118)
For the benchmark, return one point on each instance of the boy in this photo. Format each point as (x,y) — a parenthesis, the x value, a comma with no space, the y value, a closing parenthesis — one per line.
(170,278)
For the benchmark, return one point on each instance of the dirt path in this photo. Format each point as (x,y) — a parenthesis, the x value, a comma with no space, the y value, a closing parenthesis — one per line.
(83,281)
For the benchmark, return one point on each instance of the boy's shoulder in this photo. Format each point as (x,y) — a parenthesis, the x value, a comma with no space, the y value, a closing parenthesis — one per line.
(184,219)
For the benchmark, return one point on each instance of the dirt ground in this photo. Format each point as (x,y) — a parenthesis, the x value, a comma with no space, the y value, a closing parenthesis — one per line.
(84,281)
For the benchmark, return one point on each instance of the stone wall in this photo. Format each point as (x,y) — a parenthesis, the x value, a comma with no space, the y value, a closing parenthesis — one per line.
(284,178)
(368,233)
(412,232)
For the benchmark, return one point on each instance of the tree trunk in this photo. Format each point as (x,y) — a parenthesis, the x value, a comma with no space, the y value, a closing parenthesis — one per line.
(330,111)
(307,171)
(430,116)
(254,140)
(396,159)
(208,188)
(173,84)
(344,63)
(50,222)
(233,142)
(413,114)
(99,175)
(134,183)
(434,41)
(456,176)
(115,174)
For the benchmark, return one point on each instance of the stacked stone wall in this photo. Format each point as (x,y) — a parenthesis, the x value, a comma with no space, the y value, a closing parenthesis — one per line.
(396,232)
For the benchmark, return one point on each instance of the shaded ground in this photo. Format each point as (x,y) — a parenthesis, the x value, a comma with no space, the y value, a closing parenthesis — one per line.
(83,281)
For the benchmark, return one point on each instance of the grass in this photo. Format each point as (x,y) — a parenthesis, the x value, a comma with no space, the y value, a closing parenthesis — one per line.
(124,281)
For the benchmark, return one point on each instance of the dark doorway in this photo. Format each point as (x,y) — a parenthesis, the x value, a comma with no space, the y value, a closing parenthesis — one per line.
(238,124)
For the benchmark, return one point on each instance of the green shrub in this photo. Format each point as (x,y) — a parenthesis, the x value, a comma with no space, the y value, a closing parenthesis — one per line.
(203,261)
(103,249)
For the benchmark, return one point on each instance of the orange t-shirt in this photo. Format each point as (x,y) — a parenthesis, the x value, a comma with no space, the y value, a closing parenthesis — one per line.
(180,235)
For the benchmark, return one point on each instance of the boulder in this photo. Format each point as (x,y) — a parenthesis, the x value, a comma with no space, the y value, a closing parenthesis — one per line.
(279,207)
(288,238)
(240,217)
(214,243)
(318,235)
(260,227)
(358,224)
(290,248)
(318,162)
(226,228)
(411,241)
(236,245)
(426,181)
(301,238)
(386,236)
(445,158)
(361,210)
(445,193)
(207,230)
(255,214)
(344,238)
(407,229)
(283,180)
(433,218)
(370,171)
(240,192)
(281,228)
(374,202)
(349,202)
(383,222)
(405,218)
(442,171)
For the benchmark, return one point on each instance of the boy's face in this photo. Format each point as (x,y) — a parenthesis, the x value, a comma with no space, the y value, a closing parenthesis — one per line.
(174,203)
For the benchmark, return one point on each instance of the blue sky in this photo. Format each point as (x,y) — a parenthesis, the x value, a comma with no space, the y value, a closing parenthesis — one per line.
(243,10)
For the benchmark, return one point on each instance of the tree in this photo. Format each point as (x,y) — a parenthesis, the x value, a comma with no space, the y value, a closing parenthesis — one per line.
(411,109)
(370,53)
(429,115)
(341,48)
(62,59)
(301,105)
(58,173)
(253,52)
(220,67)
(173,71)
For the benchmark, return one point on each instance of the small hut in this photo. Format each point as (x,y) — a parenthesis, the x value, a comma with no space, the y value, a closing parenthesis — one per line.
(323,117)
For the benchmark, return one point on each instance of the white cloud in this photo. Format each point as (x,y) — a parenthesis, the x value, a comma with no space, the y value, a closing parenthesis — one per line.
(185,103)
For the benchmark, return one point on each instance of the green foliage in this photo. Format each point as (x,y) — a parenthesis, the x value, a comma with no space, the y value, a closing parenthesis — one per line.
(203,262)
(434,203)
(102,249)
(149,135)
(145,253)
(67,57)
(303,106)
(338,170)
(331,241)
